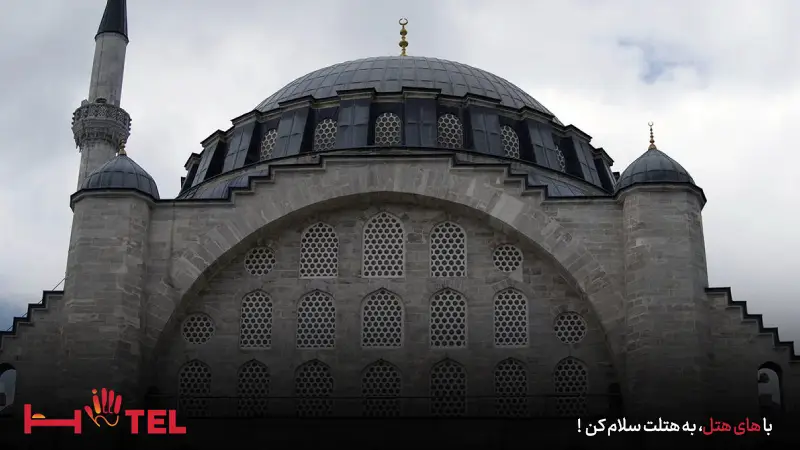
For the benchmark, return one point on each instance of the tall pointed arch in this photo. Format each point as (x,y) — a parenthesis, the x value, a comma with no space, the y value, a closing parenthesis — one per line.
(319,252)
(448,250)
(382,320)
(381,387)
(194,388)
(384,249)
(448,389)
(313,385)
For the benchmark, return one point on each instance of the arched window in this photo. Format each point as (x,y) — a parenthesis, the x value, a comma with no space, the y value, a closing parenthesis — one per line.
(382,320)
(255,330)
(448,389)
(571,381)
(325,135)
(252,388)
(313,385)
(8,385)
(448,251)
(510,141)
(316,321)
(382,380)
(450,132)
(194,388)
(319,252)
(511,388)
(448,320)
(562,160)
(384,247)
(268,144)
(770,389)
(510,319)
(388,130)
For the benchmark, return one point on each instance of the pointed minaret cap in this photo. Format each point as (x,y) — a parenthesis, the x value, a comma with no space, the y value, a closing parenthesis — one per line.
(115,18)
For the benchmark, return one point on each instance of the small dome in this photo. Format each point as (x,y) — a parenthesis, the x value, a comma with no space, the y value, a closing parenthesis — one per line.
(122,173)
(654,166)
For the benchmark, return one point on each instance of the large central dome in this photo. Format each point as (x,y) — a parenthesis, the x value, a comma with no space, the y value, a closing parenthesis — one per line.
(388,74)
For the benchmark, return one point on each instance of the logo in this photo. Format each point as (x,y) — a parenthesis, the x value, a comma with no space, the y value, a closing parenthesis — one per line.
(105,411)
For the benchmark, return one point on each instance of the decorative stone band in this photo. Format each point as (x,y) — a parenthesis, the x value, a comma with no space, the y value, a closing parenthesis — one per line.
(100,121)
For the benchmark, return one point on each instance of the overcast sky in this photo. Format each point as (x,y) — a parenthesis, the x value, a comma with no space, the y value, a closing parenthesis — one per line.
(720,79)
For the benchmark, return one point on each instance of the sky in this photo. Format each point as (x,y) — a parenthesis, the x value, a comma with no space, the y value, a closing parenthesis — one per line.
(720,79)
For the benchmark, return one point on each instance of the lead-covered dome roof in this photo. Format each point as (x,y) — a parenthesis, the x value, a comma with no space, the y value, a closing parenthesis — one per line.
(122,173)
(654,166)
(388,74)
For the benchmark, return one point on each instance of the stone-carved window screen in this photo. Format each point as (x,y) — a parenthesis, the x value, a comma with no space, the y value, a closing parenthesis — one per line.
(325,135)
(319,252)
(252,388)
(384,247)
(381,385)
(450,132)
(570,327)
(507,258)
(314,387)
(571,377)
(448,318)
(511,389)
(562,161)
(198,329)
(510,319)
(387,130)
(259,261)
(194,388)
(382,320)
(510,141)
(448,389)
(268,144)
(448,251)
(256,321)
(316,321)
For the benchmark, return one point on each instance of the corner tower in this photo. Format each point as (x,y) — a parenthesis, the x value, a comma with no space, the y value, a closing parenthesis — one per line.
(100,125)
(667,340)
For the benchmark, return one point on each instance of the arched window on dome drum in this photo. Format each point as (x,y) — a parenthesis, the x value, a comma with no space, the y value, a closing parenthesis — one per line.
(770,389)
(268,144)
(388,130)
(325,135)
(510,141)
(450,132)
(8,386)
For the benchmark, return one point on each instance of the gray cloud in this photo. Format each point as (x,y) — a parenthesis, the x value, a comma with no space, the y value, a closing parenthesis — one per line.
(721,79)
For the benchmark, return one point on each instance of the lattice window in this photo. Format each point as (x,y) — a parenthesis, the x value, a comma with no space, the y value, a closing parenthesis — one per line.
(319,252)
(562,162)
(316,321)
(384,247)
(570,327)
(387,130)
(268,144)
(511,388)
(510,141)
(448,251)
(194,388)
(259,261)
(571,377)
(256,321)
(382,320)
(381,385)
(450,132)
(198,329)
(507,258)
(252,389)
(448,389)
(448,319)
(325,135)
(313,385)
(510,319)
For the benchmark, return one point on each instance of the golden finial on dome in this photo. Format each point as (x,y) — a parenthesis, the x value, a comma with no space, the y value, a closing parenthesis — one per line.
(121,149)
(652,140)
(403,43)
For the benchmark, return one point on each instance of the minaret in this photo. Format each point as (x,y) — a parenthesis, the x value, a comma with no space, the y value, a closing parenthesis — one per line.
(99,124)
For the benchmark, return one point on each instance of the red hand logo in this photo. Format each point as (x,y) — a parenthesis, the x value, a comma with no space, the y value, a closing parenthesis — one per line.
(109,408)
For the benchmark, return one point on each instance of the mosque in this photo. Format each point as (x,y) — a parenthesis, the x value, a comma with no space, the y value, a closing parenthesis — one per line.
(389,236)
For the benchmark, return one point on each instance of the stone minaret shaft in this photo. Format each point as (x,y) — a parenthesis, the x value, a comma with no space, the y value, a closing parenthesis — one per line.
(99,125)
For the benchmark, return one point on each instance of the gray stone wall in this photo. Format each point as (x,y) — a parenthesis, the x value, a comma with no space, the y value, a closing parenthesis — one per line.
(547,292)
